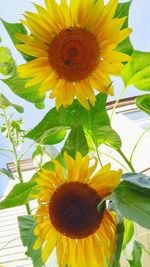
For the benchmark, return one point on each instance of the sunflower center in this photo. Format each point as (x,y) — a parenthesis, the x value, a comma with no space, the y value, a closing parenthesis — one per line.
(74,54)
(73,210)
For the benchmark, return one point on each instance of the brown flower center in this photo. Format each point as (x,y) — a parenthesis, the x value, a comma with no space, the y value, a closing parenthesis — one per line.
(73,210)
(74,54)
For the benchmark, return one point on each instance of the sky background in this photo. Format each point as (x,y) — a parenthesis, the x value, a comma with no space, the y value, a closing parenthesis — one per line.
(12,10)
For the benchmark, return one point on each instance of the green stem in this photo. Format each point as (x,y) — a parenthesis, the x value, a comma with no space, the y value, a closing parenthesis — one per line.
(96,148)
(17,161)
(22,155)
(6,150)
(116,103)
(126,160)
(138,141)
(120,163)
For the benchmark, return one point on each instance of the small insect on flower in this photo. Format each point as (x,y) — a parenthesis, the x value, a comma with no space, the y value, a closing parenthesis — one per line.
(68,217)
(74,49)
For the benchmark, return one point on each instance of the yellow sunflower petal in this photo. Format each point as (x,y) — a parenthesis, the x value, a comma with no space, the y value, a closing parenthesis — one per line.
(83,174)
(115,56)
(89,92)
(47,18)
(49,246)
(98,251)
(49,83)
(92,169)
(69,93)
(32,51)
(38,243)
(55,11)
(81,96)
(74,12)
(124,34)
(69,161)
(101,84)
(59,171)
(66,13)
(105,181)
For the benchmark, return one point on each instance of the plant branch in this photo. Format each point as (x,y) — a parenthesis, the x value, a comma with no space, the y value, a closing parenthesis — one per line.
(16,160)
(126,160)
(115,160)
(138,141)
(22,155)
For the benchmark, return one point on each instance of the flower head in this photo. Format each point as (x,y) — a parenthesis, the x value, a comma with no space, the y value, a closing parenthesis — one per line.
(68,218)
(73,46)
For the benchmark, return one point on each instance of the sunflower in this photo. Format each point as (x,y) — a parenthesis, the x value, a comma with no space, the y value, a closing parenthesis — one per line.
(68,218)
(73,46)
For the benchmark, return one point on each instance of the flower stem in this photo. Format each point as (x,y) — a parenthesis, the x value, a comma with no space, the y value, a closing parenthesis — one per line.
(138,141)
(14,151)
(126,160)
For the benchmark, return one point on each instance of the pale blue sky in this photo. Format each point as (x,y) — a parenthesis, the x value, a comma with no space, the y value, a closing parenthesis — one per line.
(12,10)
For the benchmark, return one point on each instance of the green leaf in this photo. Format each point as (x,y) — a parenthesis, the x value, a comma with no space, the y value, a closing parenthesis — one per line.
(129,232)
(4,103)
(40,105)
(137,255)
(123,10)
(13,29)
(96,123)
(143,103)
(76,142)
(17,85)
(7,173)
(18,196)
(26,226)
(7,63)
(137,71)
(106,135)
(52,129)
(139,179)
(133,202)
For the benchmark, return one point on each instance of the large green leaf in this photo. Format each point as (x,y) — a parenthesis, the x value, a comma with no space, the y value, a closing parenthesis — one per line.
(139,179)
(137,72)
(133,202)
(13,29)
(136,255)
(76,142)
(143,103)
(17,85)
(4,103)
(7,63)
(106,135)
(18,196)
(96,123)
(123,10)
(26,226)
(52,128)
